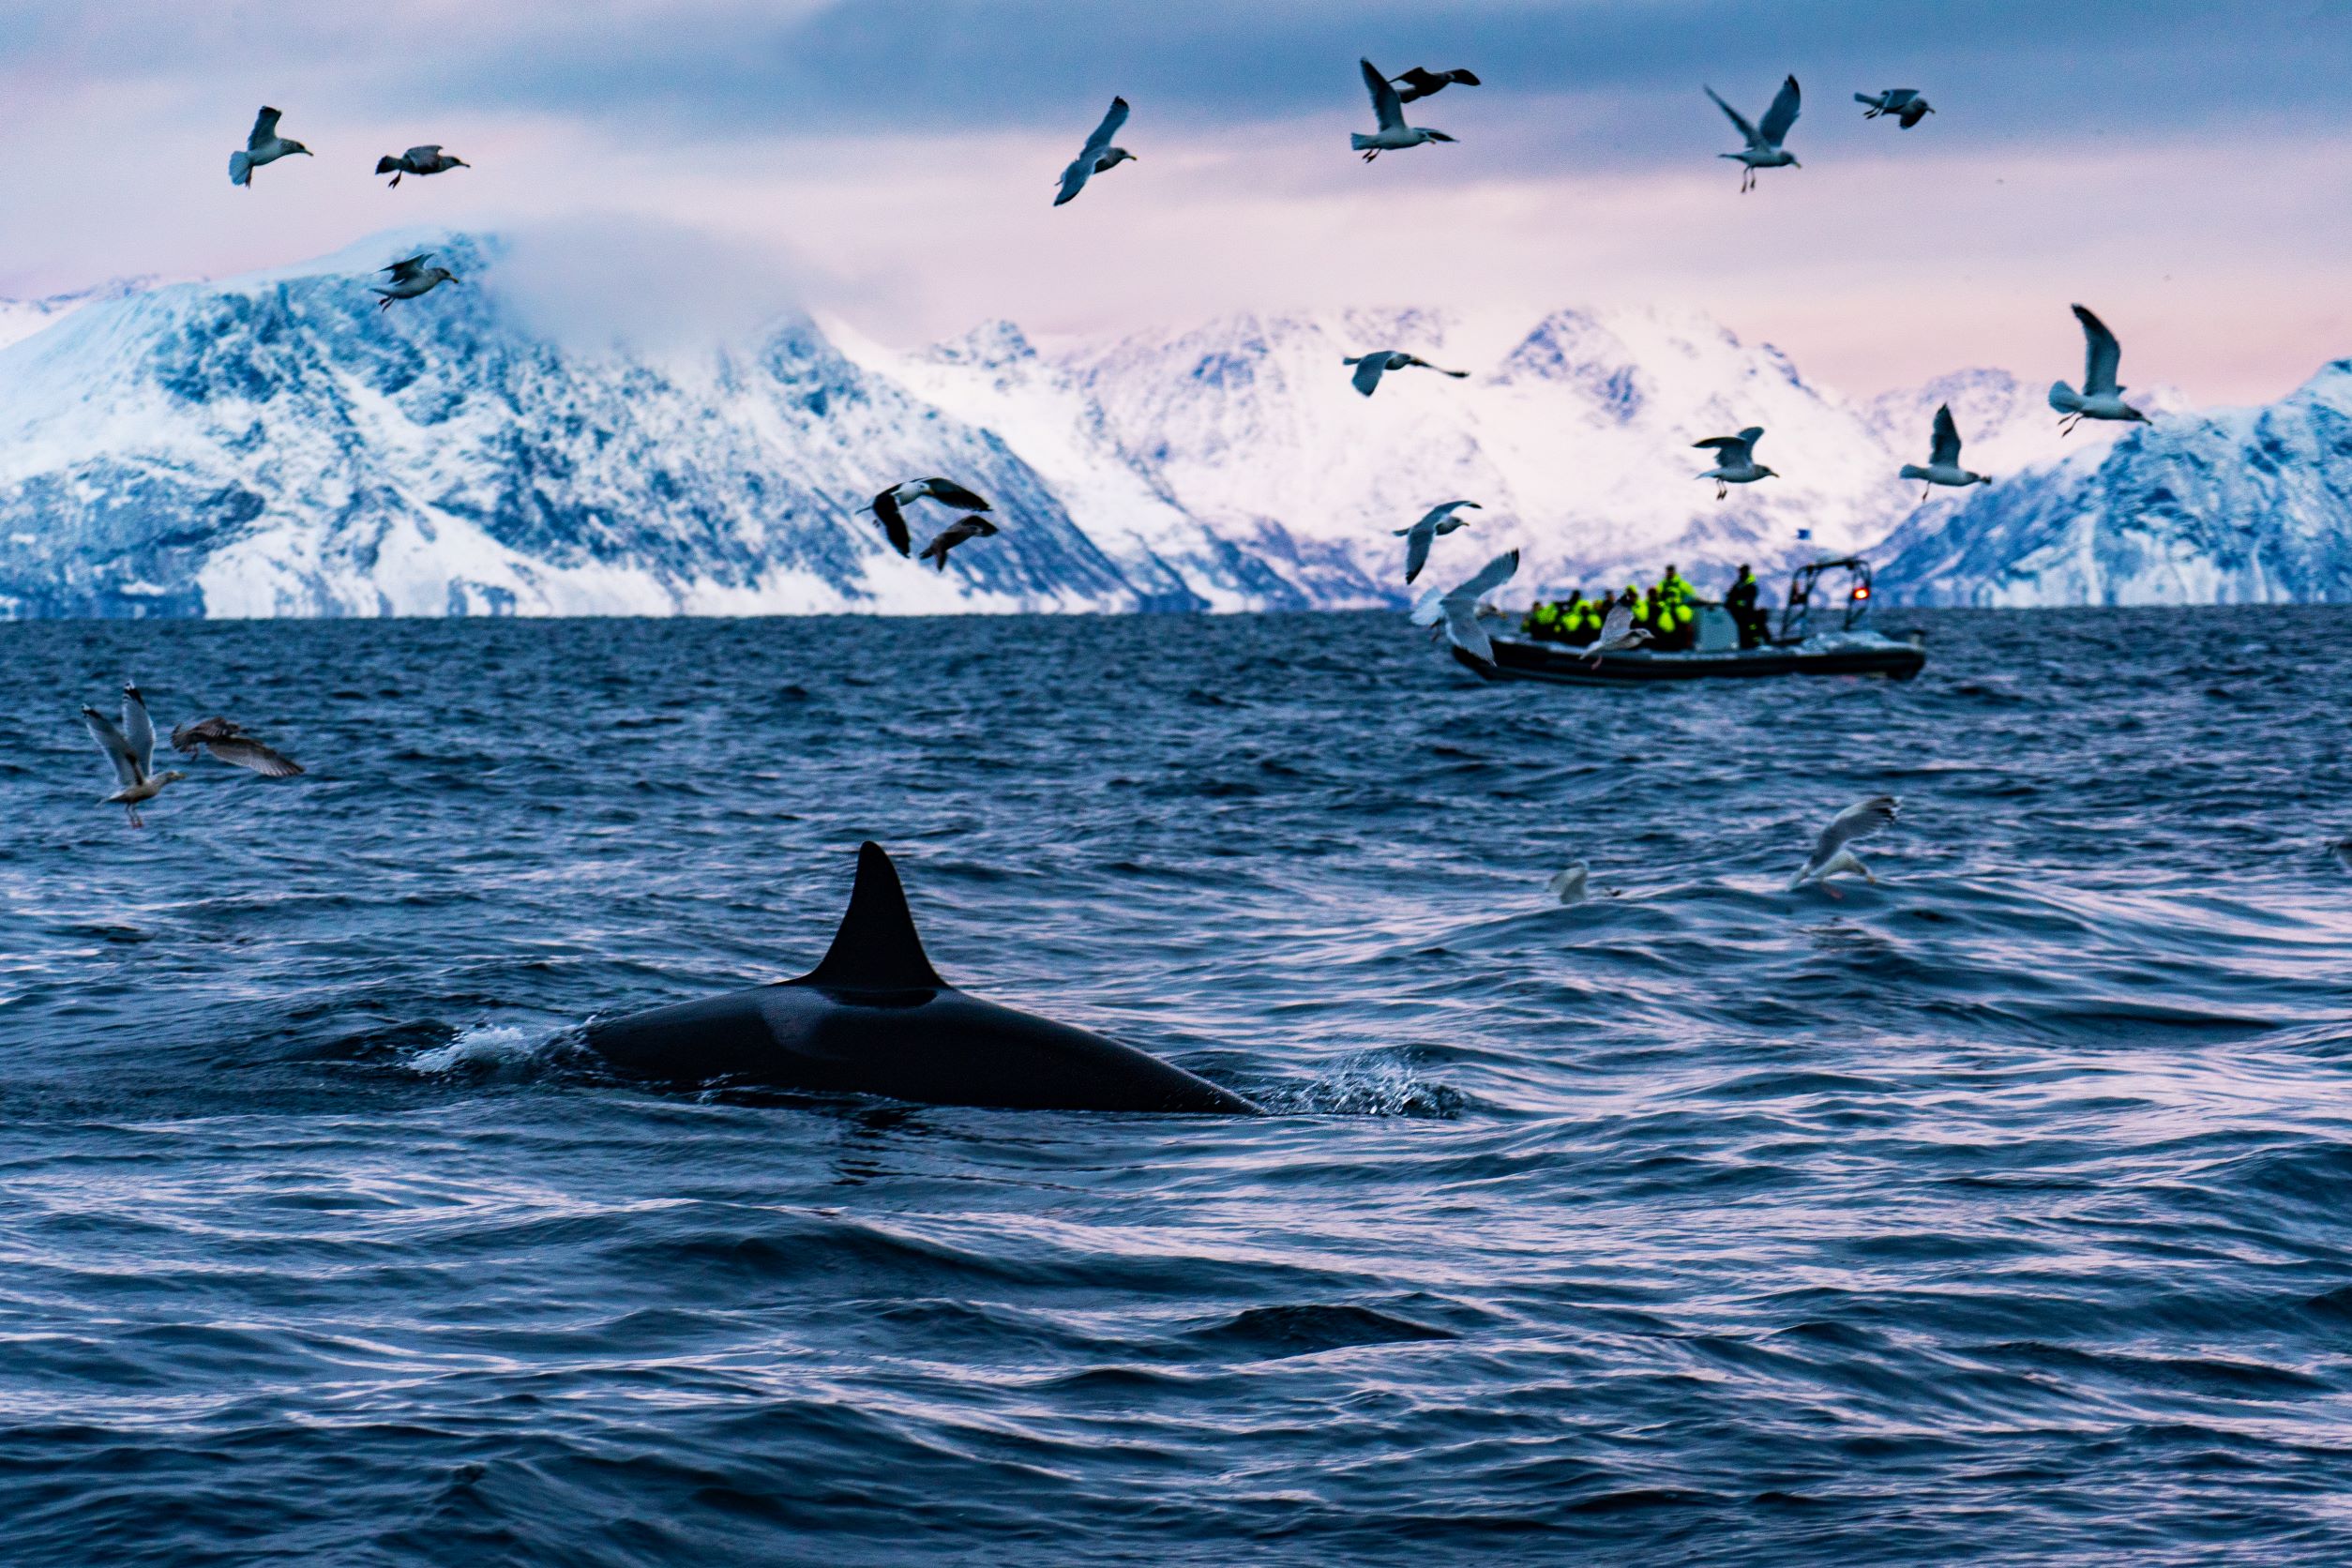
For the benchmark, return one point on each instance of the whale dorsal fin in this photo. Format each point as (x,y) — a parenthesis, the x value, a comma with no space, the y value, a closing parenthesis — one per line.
(876,949)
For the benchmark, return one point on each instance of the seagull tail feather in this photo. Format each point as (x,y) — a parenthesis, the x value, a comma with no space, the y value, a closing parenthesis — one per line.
(2064,399)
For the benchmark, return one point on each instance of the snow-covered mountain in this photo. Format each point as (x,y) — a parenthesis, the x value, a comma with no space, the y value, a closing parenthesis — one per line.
(276,445)
(2229,505)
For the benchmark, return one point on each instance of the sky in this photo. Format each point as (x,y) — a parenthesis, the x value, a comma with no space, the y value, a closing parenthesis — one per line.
(2180,167)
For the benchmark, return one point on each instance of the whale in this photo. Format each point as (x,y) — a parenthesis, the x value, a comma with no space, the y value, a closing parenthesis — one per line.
(874,1017)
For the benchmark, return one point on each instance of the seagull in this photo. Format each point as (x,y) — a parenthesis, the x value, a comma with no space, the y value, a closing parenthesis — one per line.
(1943,460)
(1394,135)
(2102,395)
(1735,459)
(263,144)
(1568,884)
(413,277)
(228,742)
(1097,155)
(1371,367)
(131,749)
(1419,82)
(1764,150)
(954,534)
(1904,104)
(1829,855)
(886,507)
(1618,632)
(1457,609)
(1436,520)
(419,161)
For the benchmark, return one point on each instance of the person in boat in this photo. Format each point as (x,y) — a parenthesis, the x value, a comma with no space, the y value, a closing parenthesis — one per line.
(1741,599)
(1675,584)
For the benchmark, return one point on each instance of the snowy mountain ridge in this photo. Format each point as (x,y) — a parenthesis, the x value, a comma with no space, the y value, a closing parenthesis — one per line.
(274,444)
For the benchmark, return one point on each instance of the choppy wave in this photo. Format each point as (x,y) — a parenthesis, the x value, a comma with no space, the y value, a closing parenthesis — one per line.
(1997,1212)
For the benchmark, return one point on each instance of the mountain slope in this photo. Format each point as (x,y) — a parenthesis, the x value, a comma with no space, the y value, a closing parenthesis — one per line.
(2233,505)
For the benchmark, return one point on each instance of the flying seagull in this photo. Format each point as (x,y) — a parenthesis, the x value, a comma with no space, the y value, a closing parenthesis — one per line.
(2102,395)
(1436,520)
(886,507)
(1735,459)
(1618,632)
(131,749)
(1904,104)
(1097,155)
(1371,367)
(1457,609)
(1568,884)
(227,741)
(261,145)
(1764,150)
(954,534)
(419,161)
(411,277)
(1393,135)
(1419,82)
(1829,853)
(1943,460)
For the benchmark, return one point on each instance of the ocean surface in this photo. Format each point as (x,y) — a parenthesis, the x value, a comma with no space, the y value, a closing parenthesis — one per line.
(1998,1213)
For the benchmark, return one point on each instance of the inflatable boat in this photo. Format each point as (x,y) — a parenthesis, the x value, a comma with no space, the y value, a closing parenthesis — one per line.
(1795,648)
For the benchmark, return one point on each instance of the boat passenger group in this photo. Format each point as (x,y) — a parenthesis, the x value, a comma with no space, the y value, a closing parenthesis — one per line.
(1668,610)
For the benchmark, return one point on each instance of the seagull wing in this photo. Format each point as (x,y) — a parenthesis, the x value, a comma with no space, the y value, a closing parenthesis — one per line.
(894,522)
(1734,451)
(1737,119)
(409,270)
(1420,82)
(1465,77)
(1947,448)
(1368,373)
(1100,141)
(1856,821)
(419,157)
(1386,106)
(2104,357)
(1620,622)
(1073,178)
(1782,115)
(138,729)
(264,129)
(1417,541)
(244,751)
(956,495)
(1463,630)
(1436,515)
(1488,577)
(110,741)
(1895,98)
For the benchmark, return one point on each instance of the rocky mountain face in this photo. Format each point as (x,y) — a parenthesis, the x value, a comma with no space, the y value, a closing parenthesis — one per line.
(275,444)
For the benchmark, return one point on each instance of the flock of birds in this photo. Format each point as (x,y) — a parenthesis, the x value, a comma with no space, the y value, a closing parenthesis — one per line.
(1454,612)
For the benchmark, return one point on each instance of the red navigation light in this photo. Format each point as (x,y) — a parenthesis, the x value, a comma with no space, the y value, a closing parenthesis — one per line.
(1861,592)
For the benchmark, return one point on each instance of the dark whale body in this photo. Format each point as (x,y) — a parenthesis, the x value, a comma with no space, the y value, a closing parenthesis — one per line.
(875,1019)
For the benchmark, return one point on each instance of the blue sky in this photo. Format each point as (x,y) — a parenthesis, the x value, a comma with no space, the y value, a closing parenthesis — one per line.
(2180,166)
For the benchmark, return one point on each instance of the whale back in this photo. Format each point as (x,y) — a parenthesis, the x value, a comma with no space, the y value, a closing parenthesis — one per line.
(877,948)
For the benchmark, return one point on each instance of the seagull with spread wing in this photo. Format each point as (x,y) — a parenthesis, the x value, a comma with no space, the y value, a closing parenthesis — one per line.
(1829,855)
(1394,135)
(131,749)
(1904,104)
(411,277)
(1097,155)
(954,534)
(2101,397)
(1419,82)
(226,741)
(889,507)
(1764,149)
(419,161)
(1619,635)
(1436,520)
(1735,459)
(1943,460)
(1455,609)
(1370,367)
(263,144)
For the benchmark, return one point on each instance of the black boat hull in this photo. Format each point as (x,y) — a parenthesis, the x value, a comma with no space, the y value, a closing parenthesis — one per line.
(1562,665)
